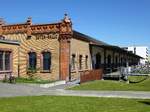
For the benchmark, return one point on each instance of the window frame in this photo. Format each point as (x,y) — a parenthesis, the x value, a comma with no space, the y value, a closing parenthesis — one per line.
(42,62)
(98,62)
(4,60)
(86,61)
(80,62)
(73,65)
(28,61)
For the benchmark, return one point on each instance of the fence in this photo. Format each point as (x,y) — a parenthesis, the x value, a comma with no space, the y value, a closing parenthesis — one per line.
(90,75)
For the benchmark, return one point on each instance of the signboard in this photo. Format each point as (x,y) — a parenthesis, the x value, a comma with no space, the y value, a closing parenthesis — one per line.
(47,36)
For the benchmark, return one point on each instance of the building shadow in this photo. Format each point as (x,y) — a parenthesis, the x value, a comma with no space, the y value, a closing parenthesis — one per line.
(145,102)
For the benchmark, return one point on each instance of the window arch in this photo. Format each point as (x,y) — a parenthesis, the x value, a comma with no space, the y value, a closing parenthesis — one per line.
(46,61)
(32,60)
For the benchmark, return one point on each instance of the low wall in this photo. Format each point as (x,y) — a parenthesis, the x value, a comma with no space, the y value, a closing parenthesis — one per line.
(91,75)
(3,74)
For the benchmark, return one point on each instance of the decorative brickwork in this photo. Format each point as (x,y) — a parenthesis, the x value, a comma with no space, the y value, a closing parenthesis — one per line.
(53,37)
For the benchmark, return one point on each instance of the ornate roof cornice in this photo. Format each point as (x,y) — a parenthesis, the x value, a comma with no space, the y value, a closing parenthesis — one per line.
(63,27)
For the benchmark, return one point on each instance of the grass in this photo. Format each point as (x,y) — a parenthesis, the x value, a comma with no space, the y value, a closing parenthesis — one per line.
(115,85)
(72,104)
(34,81)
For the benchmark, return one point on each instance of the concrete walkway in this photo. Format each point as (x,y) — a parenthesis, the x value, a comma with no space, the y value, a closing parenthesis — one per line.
(12,90)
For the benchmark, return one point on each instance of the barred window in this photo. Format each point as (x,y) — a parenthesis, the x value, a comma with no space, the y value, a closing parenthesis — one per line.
(80,62)
(46,60)
(98,61)
(116,60)
(86,62)
(73,62)
(32,60)
(5,60)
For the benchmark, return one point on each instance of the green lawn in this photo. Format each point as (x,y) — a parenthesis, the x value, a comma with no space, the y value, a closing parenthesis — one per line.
(34,81)
(28,80)
(116,85)
(72,104)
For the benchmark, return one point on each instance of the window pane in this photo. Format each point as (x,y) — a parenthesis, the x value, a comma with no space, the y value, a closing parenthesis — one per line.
(46,61)
(1,60)
(32,60)
(80,62)
(73,62)
(86,62)
(98,61)
(7,61)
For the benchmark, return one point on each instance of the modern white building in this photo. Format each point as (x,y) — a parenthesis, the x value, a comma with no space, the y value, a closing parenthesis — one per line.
(141,51)
(149,58)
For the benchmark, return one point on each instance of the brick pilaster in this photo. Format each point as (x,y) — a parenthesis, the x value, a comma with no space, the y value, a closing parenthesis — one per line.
(64,39)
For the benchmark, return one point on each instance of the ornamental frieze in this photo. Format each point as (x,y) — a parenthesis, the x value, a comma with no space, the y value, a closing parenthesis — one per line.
(62,27)
(45,28)
(19,28)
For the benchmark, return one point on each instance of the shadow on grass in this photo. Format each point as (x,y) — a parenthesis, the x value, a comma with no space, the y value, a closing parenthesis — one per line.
(145,102)
(139,80)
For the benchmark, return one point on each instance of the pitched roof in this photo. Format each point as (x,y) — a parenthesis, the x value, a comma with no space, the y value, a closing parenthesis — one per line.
(95,42)
(87,38)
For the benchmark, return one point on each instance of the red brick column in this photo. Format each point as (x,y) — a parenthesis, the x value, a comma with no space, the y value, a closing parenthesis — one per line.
(64,57)
(64,39)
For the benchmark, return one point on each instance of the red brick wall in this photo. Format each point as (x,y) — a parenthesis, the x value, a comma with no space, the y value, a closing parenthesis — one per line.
(91,75)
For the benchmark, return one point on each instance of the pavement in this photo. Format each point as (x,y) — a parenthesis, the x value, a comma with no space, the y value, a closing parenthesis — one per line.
(12,90)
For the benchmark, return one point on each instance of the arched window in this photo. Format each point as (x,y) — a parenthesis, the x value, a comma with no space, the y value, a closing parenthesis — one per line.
(5,60)
(109,60)
(73,62)
(80,62)
(86,62)
(46,61)
(98,61)
(32,60)
(121,61)
(116,61)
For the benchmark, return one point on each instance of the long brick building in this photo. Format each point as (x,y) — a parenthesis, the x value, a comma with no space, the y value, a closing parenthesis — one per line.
(55,51)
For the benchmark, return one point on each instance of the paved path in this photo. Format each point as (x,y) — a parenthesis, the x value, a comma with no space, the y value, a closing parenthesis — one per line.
(11,90)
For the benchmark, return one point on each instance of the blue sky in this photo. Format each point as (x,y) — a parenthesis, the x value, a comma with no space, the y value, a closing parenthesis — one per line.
(119,22)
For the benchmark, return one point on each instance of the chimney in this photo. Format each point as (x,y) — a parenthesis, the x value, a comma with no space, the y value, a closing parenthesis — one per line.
(29,21)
